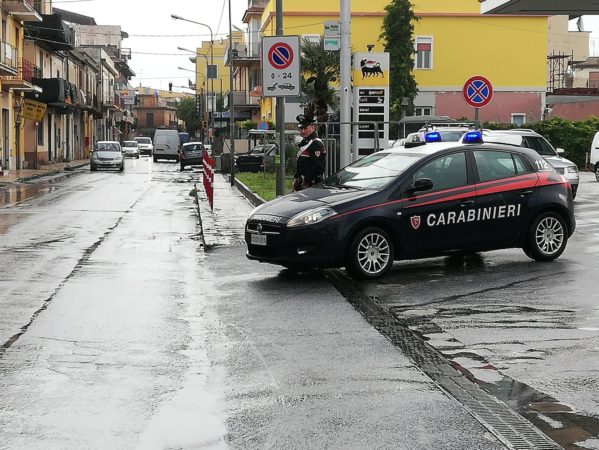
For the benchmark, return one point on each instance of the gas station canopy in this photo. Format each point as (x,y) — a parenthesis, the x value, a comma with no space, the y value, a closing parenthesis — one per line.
(572,8)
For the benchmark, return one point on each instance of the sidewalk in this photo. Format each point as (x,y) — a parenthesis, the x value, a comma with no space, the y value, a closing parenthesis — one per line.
(224,225)
(23,175)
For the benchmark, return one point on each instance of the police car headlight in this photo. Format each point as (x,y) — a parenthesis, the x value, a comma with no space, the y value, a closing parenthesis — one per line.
(572,169)
(311,216)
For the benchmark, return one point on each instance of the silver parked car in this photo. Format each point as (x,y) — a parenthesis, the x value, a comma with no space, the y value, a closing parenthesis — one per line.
(107,155)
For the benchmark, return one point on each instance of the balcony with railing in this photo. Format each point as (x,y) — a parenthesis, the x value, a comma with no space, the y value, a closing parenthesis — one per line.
(125,54)
(52,31)
(22,79)
(22,10)
(244,55)
(58,93)
(244,100)
(8,59)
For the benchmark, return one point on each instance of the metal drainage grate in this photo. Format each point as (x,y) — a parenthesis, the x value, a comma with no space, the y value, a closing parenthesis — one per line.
(509,427)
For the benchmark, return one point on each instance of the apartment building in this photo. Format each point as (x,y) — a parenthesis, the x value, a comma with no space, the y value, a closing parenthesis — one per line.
(16,76)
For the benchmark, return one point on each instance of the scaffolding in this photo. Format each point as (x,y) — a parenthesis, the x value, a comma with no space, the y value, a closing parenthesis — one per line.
(560,71)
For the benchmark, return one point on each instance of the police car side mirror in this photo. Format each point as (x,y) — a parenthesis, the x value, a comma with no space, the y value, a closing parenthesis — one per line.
(560,151)
(422,184)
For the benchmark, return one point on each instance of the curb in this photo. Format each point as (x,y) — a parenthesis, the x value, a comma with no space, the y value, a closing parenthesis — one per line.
(69,169)
(252,197)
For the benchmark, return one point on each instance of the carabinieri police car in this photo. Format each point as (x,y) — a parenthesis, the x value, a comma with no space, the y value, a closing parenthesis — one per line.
(432,200)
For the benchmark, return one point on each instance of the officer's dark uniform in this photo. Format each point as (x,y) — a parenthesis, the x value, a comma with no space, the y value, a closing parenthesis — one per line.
(311,159)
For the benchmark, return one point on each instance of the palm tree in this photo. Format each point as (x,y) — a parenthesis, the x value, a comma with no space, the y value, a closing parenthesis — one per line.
(320,72)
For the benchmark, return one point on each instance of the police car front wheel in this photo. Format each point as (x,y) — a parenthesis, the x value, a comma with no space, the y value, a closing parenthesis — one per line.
(370,254)
(547,237)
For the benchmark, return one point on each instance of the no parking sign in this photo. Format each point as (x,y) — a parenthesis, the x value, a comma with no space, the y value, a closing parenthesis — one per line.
(478,91)
(281,66)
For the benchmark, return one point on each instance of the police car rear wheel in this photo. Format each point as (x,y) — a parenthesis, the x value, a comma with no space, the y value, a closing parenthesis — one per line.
(370,254)
(597,172)
(547,237)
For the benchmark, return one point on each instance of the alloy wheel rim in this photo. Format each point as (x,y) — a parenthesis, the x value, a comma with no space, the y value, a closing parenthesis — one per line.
(374,253)
(549,235)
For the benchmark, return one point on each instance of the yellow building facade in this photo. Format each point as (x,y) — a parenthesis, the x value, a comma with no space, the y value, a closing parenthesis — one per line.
(16,74)
(453,42)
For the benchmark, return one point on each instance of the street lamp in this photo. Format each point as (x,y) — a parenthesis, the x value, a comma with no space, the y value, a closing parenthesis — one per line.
(177,17)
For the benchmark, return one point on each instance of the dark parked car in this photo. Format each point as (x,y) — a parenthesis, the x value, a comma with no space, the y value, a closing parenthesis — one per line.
(254,160)
(432,200)
(191,154)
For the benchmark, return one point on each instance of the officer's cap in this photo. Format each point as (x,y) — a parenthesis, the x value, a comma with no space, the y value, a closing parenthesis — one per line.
(305,120)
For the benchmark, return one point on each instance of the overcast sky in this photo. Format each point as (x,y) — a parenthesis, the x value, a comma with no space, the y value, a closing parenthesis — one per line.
(154,36)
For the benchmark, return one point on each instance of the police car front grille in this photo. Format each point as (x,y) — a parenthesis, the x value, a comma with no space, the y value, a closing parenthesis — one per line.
(266,251)
(267,228)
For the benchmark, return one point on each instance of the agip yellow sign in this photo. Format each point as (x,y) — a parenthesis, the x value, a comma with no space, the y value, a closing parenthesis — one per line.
(33,110)
(371,69)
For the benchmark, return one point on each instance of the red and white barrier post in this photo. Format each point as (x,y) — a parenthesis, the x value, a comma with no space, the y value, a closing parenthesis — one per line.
(208,177)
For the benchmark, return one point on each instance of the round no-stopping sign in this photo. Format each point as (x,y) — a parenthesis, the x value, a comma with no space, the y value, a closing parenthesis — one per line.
(478,91)
(280,55)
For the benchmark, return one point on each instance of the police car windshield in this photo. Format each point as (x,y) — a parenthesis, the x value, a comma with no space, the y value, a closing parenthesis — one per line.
(374,171)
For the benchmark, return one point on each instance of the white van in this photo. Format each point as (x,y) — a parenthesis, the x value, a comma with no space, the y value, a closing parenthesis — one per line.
(594,158)
(166,144)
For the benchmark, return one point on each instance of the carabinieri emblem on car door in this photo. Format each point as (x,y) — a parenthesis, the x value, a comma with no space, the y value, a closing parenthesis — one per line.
(415,221)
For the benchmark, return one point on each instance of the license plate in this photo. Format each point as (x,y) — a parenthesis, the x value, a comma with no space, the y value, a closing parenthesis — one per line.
(258,239)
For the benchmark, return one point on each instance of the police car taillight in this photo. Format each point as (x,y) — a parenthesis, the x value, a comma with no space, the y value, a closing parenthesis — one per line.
(432,136)
(473,137)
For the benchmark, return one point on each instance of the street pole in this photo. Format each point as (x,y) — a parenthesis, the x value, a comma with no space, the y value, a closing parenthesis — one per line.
(231,100)
(211,84)
(345,155)
(280,187)
(177,17)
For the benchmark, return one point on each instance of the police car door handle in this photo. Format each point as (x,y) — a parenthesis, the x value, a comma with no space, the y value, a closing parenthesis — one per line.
(525,193)
(467,203)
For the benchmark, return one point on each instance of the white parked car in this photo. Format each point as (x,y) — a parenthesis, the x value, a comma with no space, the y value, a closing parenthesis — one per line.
(145,145)
(528,138)
(594,157)
(131,148)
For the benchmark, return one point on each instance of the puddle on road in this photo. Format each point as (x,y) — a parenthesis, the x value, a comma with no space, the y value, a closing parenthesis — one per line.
(557,420)
(13,195)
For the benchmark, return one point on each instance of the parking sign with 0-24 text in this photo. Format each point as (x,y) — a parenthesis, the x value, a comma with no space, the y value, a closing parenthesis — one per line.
(281,66)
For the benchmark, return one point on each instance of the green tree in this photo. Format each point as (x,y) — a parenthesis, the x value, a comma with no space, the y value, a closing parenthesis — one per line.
(320,72)
(397,31)
(186,111)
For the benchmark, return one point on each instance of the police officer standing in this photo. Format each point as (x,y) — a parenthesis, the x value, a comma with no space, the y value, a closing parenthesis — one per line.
(311,158)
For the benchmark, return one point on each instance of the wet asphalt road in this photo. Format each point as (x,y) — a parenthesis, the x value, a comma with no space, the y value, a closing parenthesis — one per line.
(118,331)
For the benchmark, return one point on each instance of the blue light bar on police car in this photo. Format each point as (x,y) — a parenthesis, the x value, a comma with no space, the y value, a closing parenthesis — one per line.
(473,137)
(432,136)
